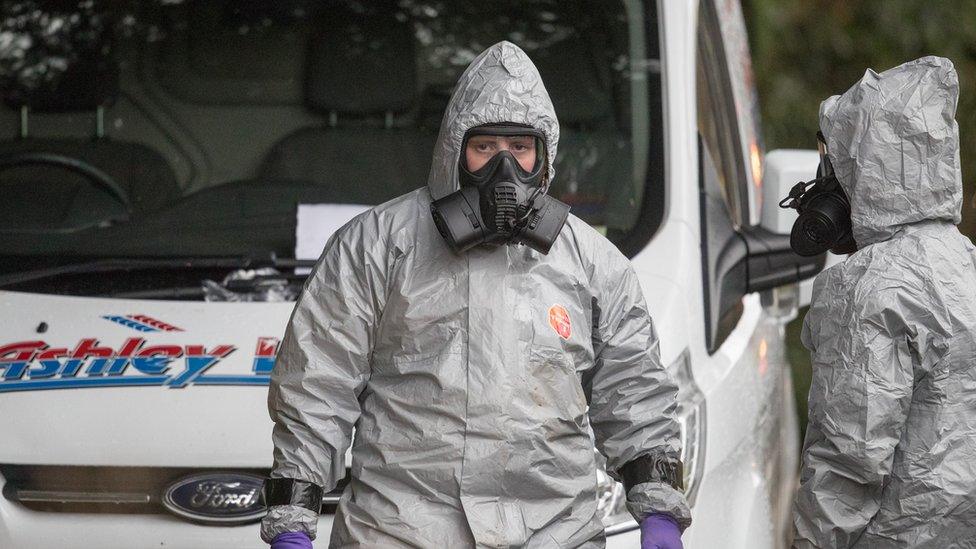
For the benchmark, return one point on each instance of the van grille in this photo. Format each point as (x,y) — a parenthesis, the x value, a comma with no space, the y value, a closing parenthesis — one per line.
(117,490)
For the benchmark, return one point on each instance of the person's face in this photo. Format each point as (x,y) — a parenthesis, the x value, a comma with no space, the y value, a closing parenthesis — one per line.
(481,148)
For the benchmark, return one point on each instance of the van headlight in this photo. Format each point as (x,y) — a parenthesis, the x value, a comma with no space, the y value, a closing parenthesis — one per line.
(611,498)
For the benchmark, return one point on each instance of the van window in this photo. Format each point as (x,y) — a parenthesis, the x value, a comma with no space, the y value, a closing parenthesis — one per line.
(195,128)
(722,182)
(736,48)
(717,117)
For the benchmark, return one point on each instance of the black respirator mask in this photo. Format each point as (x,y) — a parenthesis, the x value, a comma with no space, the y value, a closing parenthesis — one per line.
(501,203)
(824,222)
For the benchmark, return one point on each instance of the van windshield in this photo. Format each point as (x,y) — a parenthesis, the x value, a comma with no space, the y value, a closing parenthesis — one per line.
(167,129)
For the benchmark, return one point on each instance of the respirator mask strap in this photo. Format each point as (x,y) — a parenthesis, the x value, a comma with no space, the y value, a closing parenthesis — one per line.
(518,224)
(825,169)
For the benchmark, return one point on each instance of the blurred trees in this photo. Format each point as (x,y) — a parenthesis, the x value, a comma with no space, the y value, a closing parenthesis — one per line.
(806,50)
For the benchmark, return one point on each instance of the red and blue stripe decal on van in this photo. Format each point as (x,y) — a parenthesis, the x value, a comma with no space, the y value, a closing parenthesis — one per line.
(142,323)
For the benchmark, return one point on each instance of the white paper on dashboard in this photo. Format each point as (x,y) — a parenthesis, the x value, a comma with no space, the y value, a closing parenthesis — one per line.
(316,223)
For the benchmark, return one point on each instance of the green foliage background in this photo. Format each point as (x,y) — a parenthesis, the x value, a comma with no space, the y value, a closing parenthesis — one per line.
(804,51)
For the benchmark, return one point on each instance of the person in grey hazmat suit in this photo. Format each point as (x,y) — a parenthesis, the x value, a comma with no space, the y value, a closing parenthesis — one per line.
(889,459)
(473,367)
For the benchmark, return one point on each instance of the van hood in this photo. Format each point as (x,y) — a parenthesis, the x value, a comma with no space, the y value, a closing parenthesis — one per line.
(94,381)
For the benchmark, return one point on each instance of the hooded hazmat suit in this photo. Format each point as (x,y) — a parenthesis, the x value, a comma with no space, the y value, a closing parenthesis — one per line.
(890,453)
(472,380)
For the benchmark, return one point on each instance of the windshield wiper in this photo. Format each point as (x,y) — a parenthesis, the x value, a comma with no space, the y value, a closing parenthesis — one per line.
(133,264)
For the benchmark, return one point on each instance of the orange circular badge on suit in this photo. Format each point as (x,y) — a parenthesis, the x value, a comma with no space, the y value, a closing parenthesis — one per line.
(559,320)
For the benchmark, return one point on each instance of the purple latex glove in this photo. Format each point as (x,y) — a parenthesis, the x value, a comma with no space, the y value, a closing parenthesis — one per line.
(291,540)
(660,531)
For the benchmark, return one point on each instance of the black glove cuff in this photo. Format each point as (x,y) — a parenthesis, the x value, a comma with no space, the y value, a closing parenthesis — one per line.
(289,491)
(653,468)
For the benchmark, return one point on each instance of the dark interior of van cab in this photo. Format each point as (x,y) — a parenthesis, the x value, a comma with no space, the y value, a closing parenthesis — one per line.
(173,129)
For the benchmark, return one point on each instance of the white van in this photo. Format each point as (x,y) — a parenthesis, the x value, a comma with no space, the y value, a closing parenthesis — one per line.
(170,169)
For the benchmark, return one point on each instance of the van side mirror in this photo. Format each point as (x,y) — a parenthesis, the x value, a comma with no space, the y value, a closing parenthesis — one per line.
(751,259)
(772,262)
(744,260)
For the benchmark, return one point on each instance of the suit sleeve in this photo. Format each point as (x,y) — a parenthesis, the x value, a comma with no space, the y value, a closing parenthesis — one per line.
(632,398)
(321,369)
(863,377)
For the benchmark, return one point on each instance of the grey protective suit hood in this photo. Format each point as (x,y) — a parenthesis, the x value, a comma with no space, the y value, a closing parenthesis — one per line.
(500,85)
(469,385)
(890,452)
(894,145)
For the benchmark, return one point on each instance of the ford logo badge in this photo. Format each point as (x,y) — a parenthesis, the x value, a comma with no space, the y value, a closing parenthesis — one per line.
(217,498)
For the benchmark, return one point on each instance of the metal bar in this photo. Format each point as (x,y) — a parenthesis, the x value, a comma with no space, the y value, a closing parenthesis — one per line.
(331,499)
(119,498)
(59,496)
(626,526)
